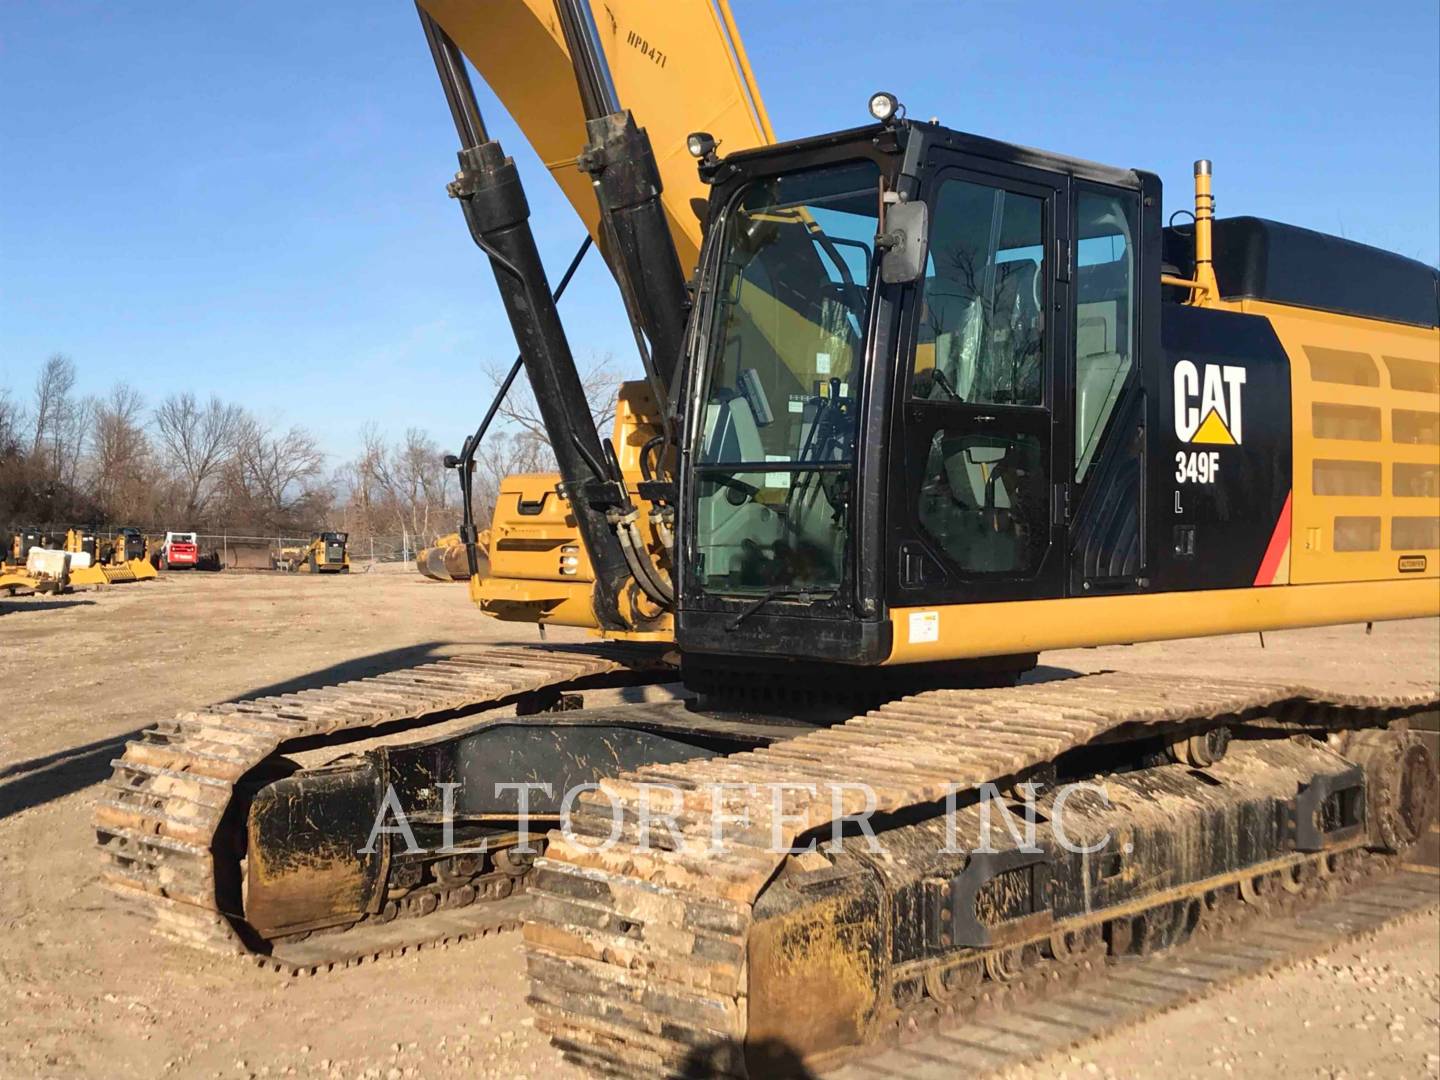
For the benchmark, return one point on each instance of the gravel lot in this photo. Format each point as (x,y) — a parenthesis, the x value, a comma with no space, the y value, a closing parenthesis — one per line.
(84,991)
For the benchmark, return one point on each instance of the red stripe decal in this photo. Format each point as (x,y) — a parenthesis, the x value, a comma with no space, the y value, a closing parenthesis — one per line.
(1279,540)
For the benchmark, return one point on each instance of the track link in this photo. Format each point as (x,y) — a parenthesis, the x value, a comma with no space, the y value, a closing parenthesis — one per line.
(637,956)
(1107,998)
(168,822)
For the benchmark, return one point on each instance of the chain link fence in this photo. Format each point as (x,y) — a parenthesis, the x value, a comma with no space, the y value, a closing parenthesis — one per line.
(244,551)
(241,552)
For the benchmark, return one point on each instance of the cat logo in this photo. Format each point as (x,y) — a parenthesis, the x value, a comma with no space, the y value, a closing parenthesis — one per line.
(1207,403)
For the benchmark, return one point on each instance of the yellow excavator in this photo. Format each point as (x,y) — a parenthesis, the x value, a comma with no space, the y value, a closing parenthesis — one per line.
(918,405)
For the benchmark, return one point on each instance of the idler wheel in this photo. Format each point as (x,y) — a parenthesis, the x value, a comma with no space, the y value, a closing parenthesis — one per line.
(1402,786)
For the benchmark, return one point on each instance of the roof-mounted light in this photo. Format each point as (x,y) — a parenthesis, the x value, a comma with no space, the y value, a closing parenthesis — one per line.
(700,144)
(886,107)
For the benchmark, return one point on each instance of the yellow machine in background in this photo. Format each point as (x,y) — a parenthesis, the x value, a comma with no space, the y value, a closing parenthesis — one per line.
(84,547)
(42,561)
(327,553)
(445,559)
(125,556)
(13,575)
(538,568)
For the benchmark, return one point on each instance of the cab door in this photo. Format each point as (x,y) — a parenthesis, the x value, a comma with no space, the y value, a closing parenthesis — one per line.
(1107,533)
(977,489)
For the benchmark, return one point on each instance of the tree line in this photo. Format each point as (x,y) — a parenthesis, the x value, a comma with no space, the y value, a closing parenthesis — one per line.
(205,465)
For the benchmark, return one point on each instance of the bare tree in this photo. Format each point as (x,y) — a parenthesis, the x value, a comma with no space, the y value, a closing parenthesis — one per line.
(272,478)
(12,418)
(60,422)
(196,463)
(420,472)
(360,482)
(59,426)
(197,441)
(52,403)
(14,470)
(404,487)
(121,479)
(599,377)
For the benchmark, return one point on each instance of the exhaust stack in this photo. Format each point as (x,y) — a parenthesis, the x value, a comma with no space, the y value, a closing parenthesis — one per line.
(1202,283)
(1204,232)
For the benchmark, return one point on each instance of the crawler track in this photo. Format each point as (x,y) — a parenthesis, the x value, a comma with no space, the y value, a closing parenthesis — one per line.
(1097,998)
(171,819)
(638,957)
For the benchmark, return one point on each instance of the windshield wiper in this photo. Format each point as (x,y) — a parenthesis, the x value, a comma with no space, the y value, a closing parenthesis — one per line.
(779,592)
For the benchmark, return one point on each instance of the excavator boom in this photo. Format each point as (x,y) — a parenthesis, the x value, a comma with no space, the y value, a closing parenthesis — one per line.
(680,66)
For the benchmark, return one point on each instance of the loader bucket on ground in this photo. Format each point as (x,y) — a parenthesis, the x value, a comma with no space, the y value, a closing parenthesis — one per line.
(431,563)
(447,562)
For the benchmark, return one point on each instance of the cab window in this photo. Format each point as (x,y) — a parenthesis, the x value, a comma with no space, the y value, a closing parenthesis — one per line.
(983,495)
(982,319)
(1104,315)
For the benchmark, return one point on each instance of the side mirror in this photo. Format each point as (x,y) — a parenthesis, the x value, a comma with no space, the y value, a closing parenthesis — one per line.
(905,241)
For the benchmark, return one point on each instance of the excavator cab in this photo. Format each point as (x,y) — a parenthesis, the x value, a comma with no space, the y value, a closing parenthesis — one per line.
(909,348)
(894,385)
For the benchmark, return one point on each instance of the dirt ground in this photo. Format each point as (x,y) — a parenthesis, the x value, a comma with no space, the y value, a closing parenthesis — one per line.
(86,991)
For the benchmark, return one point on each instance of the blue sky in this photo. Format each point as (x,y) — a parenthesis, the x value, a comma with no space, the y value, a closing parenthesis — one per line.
(248,198)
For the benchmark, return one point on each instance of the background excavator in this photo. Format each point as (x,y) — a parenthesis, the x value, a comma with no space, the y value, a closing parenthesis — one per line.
(928,404)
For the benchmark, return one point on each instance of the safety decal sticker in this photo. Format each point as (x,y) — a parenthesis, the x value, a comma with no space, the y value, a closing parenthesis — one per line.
(924,626)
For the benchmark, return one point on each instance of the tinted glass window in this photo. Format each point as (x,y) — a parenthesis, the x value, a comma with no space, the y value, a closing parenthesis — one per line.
(983,499)
(982,324)
(790,311)
(777,442)
(1104,322)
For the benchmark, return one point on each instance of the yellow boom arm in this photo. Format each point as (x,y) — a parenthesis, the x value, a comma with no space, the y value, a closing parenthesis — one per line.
(678,65)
